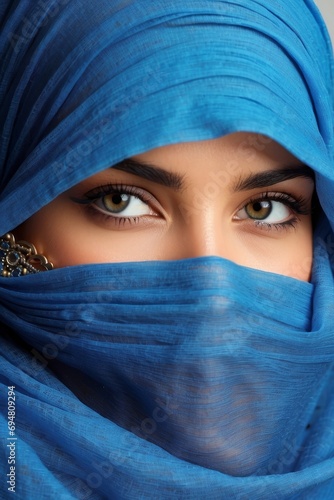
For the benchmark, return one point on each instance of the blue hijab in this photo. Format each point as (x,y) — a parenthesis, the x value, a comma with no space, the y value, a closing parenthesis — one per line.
(187,379)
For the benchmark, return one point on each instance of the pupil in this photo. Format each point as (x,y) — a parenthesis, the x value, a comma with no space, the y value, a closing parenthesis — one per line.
(116,202)
(117,199)
(259,210)
(257,206)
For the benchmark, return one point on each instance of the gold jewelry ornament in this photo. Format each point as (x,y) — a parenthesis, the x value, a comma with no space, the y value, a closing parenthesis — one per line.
(21,258)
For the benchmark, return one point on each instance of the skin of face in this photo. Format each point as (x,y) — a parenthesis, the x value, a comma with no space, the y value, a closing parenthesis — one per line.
(217,189)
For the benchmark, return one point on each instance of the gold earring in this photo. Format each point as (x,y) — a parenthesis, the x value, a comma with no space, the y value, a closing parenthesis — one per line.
(21,258)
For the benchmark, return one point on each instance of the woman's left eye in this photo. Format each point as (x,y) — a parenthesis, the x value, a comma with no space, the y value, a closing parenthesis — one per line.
(121,204)
(266,210)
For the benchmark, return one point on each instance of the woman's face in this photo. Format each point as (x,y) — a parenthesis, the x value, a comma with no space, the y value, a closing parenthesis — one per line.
(242,197)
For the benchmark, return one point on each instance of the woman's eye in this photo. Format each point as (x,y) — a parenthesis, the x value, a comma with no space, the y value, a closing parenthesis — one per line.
(120,204)
(269,211)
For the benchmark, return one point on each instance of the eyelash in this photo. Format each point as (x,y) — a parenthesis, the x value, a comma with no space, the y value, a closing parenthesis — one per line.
(107,189)
(297,205)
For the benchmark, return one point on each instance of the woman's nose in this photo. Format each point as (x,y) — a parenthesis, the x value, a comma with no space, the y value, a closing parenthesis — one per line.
(200,237)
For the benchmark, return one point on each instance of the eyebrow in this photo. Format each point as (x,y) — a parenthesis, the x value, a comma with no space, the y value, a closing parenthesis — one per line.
(271,177)
(176,181)
(151,173)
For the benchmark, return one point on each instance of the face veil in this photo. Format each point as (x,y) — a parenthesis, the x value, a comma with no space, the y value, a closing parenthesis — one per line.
(189,378)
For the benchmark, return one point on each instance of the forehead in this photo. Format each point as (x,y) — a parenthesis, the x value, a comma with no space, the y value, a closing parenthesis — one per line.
(241,150)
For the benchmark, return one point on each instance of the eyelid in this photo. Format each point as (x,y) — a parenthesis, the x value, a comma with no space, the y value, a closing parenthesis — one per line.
(106,189)
(98,192)
(298,204)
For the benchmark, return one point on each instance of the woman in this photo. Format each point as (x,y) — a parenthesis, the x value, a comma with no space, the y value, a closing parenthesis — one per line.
(181,346)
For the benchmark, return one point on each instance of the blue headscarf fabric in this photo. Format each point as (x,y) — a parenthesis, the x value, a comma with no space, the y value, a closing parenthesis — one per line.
(187,379)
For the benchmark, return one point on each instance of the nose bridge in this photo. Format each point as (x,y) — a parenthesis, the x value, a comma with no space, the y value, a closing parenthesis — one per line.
(201,234)
(202,221)
(205,239)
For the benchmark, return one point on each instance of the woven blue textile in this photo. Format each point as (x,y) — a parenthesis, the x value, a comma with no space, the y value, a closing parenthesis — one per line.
(198,378)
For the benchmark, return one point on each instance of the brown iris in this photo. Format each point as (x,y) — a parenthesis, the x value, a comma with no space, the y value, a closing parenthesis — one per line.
(116,202)
(259,210)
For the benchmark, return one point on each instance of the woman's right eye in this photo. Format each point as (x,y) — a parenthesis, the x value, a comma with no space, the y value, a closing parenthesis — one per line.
(121,204)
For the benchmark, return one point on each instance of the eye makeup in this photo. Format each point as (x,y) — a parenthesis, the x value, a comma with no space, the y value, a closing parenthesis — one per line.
(270,210)
(119,203)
